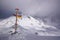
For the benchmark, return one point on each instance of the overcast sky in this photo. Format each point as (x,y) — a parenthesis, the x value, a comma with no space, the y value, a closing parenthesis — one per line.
(32,7)
(49,9)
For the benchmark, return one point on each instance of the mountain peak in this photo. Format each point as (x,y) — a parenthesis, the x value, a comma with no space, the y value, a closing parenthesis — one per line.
(28,23)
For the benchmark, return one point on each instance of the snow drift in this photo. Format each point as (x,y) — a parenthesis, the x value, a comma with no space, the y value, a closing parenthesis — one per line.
(31,24)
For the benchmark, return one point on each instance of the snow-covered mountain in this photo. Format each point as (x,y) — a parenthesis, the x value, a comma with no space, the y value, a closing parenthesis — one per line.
(31,24)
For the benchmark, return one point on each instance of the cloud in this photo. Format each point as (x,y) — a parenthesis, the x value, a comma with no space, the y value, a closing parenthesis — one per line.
(32,7)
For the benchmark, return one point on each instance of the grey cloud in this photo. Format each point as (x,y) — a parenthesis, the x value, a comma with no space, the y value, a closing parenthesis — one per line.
(32,7)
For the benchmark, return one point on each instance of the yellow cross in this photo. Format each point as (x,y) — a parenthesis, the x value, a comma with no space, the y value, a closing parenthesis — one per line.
(17,16)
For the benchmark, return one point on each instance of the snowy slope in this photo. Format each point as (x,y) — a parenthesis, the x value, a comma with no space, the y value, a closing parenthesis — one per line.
(25,22)
(29,23)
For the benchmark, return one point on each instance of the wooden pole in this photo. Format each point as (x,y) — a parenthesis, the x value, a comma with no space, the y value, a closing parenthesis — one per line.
(16,18)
